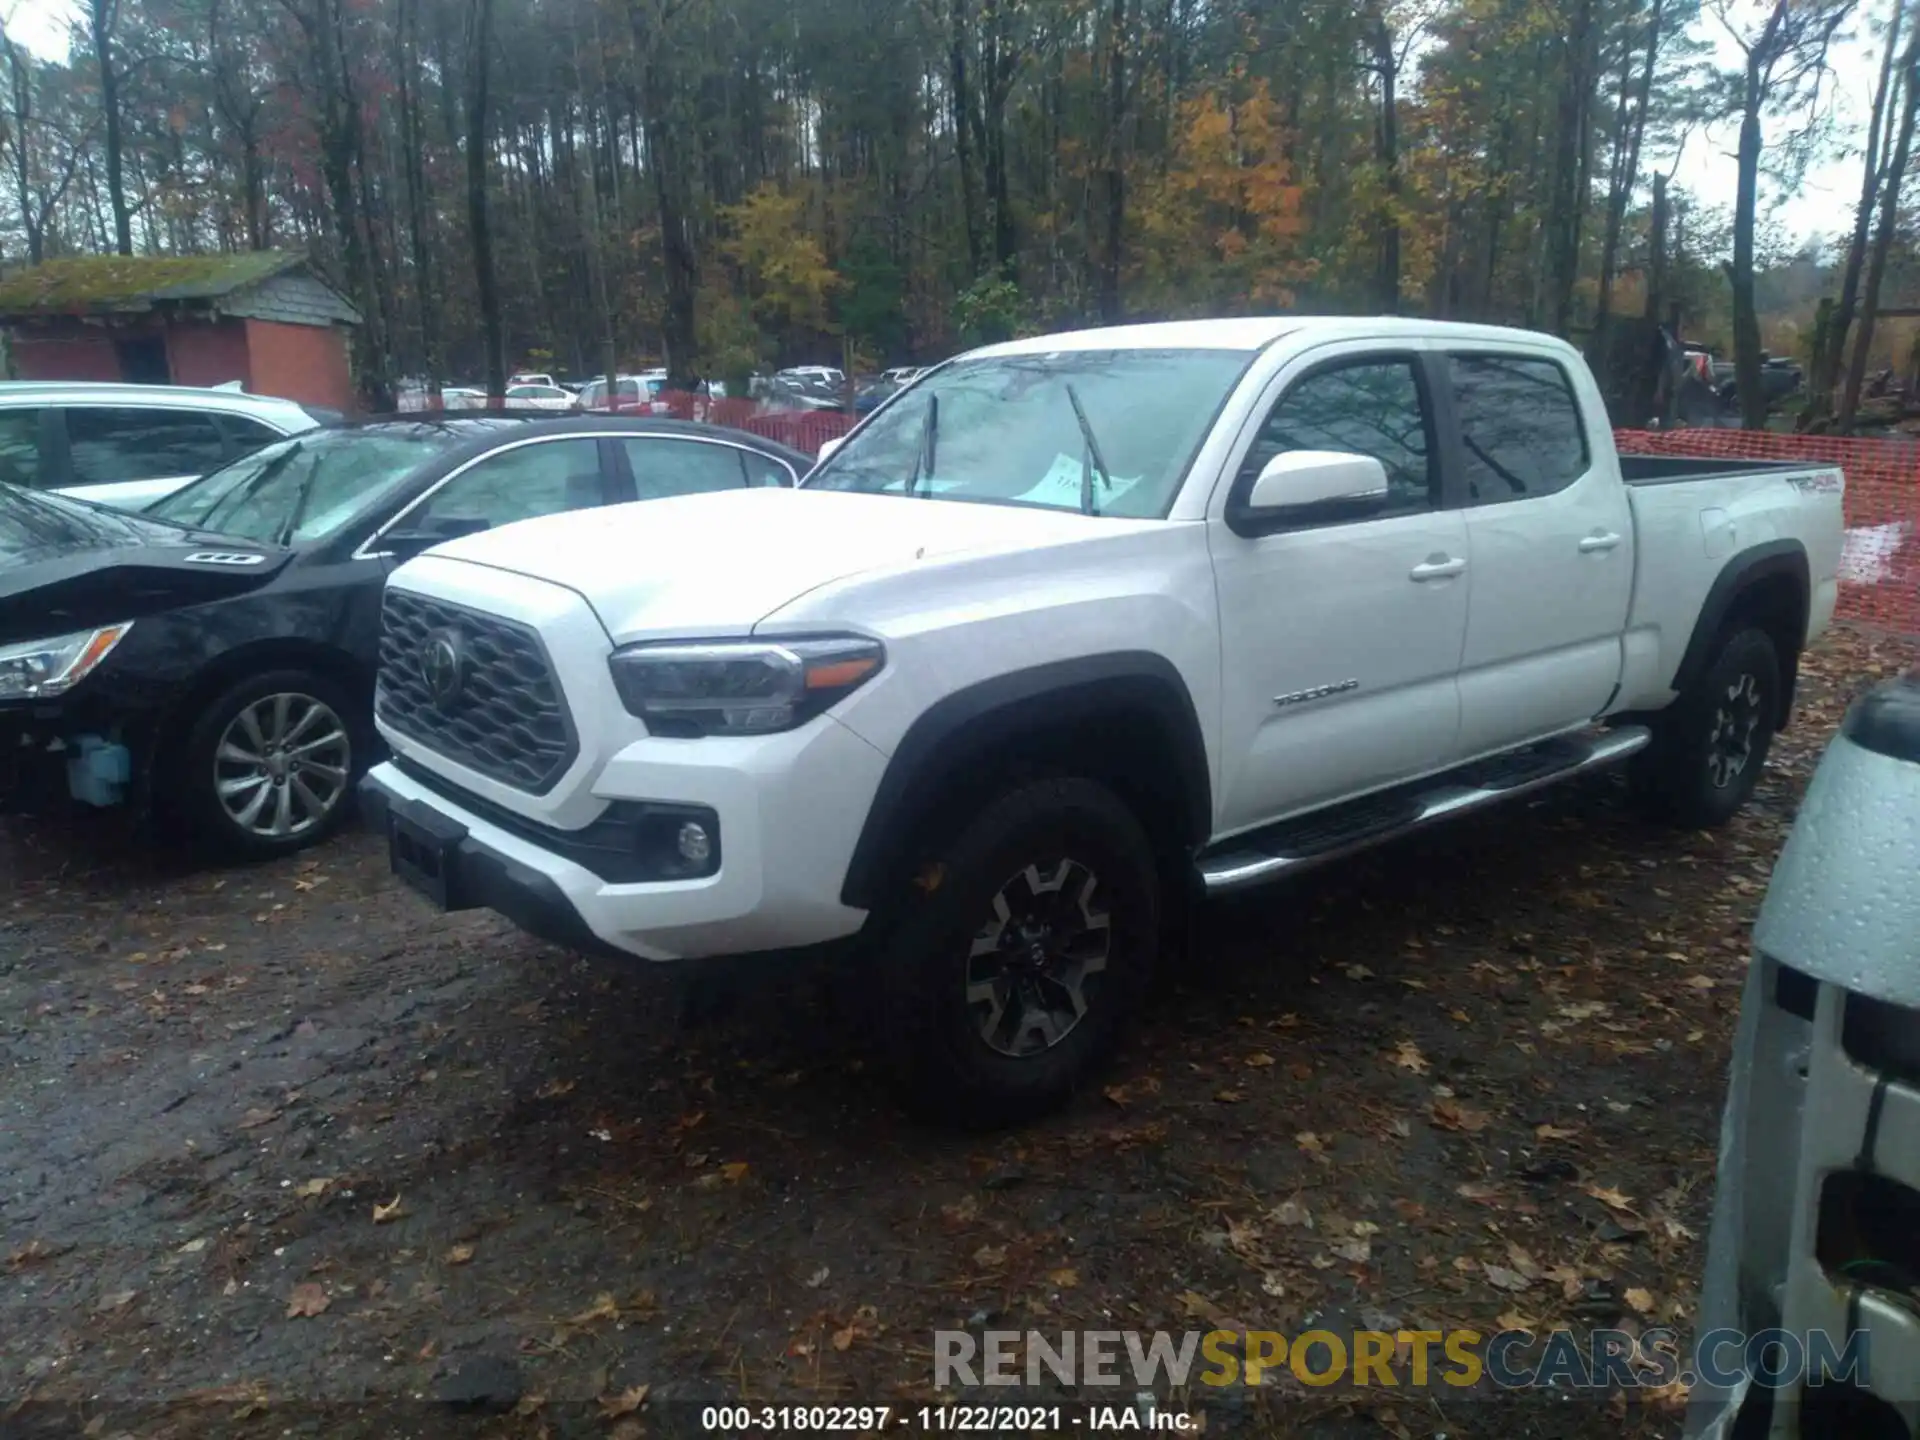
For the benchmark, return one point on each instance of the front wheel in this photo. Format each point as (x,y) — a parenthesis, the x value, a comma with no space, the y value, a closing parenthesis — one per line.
(267,766)
(1020,952)
(1711,744)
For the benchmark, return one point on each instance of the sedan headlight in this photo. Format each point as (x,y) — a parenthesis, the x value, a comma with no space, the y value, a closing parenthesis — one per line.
(39,669)
(740,687)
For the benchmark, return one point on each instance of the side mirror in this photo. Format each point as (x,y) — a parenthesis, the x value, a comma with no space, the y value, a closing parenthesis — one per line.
(1302,485)
(404,545)
(827,447)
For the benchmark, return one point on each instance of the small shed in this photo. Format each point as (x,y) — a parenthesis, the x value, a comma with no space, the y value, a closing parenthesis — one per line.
(263,318)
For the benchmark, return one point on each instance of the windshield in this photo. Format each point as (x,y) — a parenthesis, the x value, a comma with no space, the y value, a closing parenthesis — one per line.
(305,488)
(35,525)
(1107,431)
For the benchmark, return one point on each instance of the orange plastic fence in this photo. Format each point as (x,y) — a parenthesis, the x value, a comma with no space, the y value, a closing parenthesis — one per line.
(1880,565)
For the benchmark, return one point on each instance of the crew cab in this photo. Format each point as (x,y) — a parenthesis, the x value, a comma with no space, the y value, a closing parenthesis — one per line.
(1073,630)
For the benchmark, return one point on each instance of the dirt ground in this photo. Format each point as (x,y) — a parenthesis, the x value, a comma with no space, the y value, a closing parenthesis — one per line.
(283,1152)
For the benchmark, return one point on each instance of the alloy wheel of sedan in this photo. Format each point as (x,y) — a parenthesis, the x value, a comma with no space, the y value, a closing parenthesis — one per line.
(282,765)
(1030,964)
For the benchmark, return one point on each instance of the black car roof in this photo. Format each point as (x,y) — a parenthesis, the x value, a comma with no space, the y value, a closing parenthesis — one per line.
(486,430)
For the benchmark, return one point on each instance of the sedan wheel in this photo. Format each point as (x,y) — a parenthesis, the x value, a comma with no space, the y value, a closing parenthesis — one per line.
(282,766)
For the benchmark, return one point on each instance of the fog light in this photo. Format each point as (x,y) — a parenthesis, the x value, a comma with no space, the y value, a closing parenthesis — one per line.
(696,846)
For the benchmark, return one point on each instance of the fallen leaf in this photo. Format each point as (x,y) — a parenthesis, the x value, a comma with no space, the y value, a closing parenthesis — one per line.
(254,1119)
(612,1407)
(1065,1278)
(1273,1283)
(1554,1132)
(734,1171)
(603,1308)
(1452,1115)
(1514,1320)
(194,1246)
(1473,1190)
(554,1089)
(528,1405)
(1501,1278)
(307,1300)
(118,1300)
(307,1189)
(1522,1261)
(1291,1212)
(818,1278)
(990,1257)
(1309,1142)
(1258,1061)
(1567,1278)
(1639,1300)
(392,1210)
(1196,1304)
(1612,1199)
(1118,1094)
(1701,982)
(1230,1097)
(1358,972)
(459,1254)
(1357,1251)
(843,1339)
(1408,1057)
(962,1212)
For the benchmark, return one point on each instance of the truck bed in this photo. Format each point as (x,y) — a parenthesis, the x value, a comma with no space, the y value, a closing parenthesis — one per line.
(1670,469)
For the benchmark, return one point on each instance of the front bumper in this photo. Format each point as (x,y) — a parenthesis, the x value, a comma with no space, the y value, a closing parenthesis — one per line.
(787,826)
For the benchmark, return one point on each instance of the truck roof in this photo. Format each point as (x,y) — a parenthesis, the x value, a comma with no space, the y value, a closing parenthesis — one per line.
(1255,331)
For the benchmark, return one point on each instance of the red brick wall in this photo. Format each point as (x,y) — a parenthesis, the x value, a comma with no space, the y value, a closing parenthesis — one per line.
(64,352)
(208,352)
(307,363)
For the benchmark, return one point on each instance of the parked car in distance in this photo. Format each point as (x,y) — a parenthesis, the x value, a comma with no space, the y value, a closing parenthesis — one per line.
(813,374)
(901,375)
(462,397)
(127,445)
(531,377)
(213,658)
(540,397)
(1082,625)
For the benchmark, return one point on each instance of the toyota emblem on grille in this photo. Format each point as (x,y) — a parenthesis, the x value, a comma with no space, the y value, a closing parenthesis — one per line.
(443,665)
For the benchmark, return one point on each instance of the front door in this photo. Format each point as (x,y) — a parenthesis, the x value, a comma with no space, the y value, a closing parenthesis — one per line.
(1552,539)
(1340,643)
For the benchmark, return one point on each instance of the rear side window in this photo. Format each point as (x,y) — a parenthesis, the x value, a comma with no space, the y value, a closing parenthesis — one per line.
(663,467)
(108,445)
(20,447)
(247,435)
(1519,426)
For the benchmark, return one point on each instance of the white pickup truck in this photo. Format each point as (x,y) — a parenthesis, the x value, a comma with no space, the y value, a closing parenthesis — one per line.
(1070,631)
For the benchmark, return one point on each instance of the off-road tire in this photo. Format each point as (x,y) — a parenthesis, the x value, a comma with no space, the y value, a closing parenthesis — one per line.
(933,1035)
(1685,777)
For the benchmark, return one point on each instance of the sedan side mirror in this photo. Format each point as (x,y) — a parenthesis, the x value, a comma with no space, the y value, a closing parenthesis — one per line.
(404,545)
(1303,487)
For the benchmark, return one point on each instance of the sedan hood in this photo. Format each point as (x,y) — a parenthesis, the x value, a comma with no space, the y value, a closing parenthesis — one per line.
(702,565)
(56,591)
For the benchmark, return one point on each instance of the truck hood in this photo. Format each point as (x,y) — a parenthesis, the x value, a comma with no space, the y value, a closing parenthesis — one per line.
(701,565)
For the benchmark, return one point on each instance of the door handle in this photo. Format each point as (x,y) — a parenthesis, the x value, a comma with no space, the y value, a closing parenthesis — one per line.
(1598,542)
(1439,567)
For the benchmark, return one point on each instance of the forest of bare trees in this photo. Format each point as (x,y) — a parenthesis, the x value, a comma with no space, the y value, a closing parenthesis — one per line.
(723,184)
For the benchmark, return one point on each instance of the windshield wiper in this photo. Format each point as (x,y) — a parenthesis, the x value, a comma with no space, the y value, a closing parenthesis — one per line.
(1091,459)
(299,513)
(929,437)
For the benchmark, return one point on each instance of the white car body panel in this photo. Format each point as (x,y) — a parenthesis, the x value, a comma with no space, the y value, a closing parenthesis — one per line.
(1321,663)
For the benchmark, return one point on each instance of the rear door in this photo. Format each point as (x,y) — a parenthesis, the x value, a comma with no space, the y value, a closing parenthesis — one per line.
(27,451)
(1340,641)
(1551,533)
(131,455)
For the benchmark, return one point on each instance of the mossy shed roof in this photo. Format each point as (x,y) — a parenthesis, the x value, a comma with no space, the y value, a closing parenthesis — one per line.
(96,284)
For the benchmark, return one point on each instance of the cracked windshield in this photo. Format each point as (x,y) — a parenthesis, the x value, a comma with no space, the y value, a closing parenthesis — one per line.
(1105,432)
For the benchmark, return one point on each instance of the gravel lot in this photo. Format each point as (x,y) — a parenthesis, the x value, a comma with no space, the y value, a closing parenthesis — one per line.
(282,1151)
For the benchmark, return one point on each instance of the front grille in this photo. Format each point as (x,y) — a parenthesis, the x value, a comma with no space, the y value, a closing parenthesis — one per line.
(501,715)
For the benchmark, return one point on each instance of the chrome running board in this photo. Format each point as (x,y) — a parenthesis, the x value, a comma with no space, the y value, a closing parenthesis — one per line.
(1309,840)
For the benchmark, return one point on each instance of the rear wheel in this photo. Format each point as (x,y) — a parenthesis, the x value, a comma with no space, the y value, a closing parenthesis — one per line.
(1020,953)
(267,767)
(1711,744)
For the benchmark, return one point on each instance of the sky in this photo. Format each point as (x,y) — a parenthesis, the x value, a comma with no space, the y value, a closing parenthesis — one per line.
(1822,206)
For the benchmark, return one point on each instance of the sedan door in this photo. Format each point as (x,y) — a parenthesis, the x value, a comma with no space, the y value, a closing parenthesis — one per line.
(1552,537)
(1340,641)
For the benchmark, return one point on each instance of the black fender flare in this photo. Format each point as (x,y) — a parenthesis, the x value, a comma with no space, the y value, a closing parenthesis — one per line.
(1750,566)
(964,730)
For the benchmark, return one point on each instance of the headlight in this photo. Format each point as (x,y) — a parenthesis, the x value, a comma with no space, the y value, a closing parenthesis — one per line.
(37,669)
(740,687)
